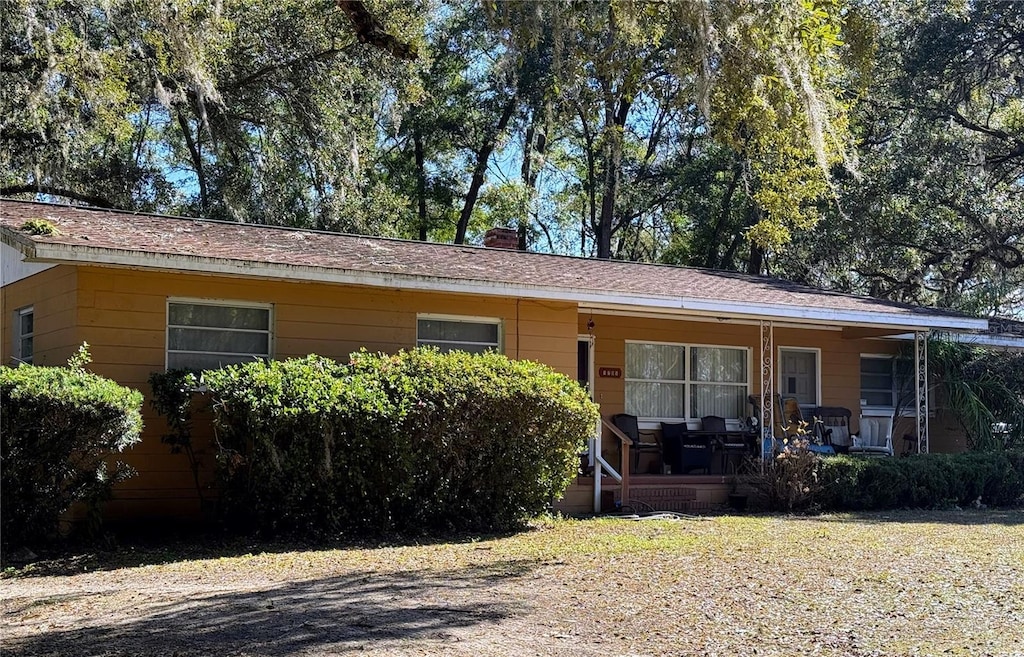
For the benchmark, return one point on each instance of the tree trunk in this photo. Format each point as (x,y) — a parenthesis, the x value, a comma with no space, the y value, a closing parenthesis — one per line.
(755,262)
(711,260)
(482,156)
(615,121)
(197,161)
(421,184)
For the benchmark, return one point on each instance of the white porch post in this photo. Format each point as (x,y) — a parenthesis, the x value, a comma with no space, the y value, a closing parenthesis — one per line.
(767,383)
(921,378)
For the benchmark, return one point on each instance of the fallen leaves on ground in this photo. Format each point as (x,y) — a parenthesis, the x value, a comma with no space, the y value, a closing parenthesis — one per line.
(899,583)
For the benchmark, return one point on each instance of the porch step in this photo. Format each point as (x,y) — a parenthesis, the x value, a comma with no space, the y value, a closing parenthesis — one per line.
(663,498)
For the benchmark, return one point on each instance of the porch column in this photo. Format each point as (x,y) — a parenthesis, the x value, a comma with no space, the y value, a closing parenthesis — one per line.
(921,377)
(767,383)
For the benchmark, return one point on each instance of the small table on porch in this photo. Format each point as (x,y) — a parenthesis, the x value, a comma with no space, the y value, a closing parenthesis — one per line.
(730,443)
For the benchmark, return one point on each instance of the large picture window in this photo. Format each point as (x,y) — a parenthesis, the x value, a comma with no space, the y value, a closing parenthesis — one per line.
(206,335)
(675,381)
(457,334)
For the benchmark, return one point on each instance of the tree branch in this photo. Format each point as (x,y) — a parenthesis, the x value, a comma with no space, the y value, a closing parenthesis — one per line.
(52,190)
(370,30)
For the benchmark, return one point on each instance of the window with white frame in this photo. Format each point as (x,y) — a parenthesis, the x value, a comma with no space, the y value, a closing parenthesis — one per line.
(676,381)
(878,381)
(474,335)
(24,332)
(798,374)
(210,334)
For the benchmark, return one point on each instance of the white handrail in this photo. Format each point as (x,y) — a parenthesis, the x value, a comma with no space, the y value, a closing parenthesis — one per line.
(610,470)
(599,465)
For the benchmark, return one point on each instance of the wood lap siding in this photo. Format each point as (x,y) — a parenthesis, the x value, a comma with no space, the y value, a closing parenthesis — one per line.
(123,313)
(53,297)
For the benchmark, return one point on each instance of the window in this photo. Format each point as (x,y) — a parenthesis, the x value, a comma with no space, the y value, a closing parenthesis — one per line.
(204,334)
(656,380)
(798,375)
(458,334)
(878,381)
(719,381)
(24,330)
(660,385)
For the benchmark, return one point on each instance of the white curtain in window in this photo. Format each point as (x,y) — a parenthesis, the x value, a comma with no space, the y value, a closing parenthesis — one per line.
(664,362)
(656,400)
(718,364)
(656,381)
(728,401)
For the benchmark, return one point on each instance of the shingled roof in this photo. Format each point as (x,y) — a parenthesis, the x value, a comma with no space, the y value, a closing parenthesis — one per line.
(117,238)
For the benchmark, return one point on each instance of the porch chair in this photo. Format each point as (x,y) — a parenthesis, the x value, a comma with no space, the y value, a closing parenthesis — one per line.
(732,452)
(685,453)
(792,417)
(628,425)
(816,435)
(874,437)
(832,425)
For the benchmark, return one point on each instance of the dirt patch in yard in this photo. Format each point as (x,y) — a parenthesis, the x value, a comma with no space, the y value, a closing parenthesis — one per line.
(949,583)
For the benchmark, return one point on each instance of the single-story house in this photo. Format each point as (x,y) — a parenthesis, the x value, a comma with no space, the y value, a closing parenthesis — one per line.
(663,343)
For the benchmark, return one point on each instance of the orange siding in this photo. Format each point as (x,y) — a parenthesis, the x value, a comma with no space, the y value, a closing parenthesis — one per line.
(52,294)
(123,316)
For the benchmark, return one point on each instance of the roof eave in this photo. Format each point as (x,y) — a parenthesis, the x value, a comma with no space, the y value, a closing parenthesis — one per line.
(23,243)
(57,252)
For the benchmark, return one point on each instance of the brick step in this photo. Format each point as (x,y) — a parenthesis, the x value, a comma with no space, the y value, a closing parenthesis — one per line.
(662,493)
(679,506)
(666,498)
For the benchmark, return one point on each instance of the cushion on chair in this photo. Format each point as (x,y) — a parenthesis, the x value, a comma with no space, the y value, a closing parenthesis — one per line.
(875,436)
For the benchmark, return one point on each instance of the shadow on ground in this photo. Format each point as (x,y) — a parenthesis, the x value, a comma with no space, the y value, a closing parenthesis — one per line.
(363,612)
(136,549)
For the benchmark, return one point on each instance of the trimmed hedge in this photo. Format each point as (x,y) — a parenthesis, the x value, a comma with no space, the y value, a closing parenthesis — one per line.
(923,481)
(411,442)
(58,426)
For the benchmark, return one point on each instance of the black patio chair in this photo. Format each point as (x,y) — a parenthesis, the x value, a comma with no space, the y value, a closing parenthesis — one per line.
(733,451)
(629,425)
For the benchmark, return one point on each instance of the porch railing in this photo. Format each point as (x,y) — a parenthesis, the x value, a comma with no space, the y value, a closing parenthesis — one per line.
(600,464)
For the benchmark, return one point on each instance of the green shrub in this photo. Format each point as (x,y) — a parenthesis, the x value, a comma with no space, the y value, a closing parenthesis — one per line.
(280,428)
(58,426)
(416,441)
(493,440)
(922,481)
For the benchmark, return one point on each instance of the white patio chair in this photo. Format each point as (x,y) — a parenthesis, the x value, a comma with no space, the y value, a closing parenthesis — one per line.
(874,436)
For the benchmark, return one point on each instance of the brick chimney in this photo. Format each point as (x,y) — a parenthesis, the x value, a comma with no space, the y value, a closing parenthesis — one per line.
(502,238)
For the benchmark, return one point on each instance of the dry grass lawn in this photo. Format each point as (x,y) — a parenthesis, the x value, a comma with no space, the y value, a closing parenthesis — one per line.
(902,583)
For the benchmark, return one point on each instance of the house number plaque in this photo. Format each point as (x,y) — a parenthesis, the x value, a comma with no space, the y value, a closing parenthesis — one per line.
(609,372)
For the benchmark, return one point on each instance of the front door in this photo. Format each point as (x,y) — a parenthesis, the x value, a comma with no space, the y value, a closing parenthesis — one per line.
(584,362)
(799,375)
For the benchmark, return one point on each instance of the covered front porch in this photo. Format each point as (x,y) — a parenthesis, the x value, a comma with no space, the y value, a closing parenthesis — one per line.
(680,369)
